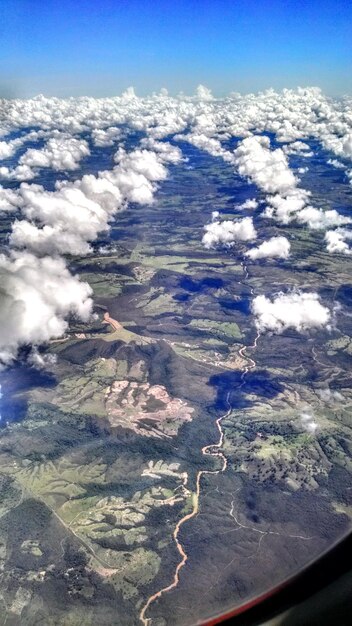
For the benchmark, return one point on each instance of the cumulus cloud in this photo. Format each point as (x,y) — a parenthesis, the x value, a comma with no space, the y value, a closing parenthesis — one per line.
(308,423)
(136,174)
(61,152)
(228,232)
(285,209)
(294,207)
(269,169)
(278,247)
(38,291)
(209,144)
(21,173)
(48,239)
(164,150)
(143,162)
(56,220)
(37,294)
(66,220)
(298,147)
(336,243)
(337,164)
(297,310)
(9,148)
(340,145)
(319,219)
(347,145)
(203,93)
(41,360)
(9,200)
(106,137)
(249,204)
(293,115)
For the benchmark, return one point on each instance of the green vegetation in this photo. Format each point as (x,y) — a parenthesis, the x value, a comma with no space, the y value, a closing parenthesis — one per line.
(229,329)
(106,285)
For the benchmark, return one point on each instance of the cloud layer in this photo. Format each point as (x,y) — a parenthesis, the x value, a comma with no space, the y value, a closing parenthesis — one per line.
(38,292)
(48,225)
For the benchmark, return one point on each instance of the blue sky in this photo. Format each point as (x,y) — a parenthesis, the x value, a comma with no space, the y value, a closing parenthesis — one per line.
(100,47)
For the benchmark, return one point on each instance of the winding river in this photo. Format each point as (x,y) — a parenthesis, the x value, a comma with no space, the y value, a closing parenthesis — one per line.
(212,450)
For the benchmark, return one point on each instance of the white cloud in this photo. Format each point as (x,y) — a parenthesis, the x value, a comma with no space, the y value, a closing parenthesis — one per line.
(336,243)
(319,219)
(347,145)
(337,164)
(61,152)
(269,169)
(209,144)
(9,200)
(41,360)
(291,114)
(9,148)
(36,297)
(249,204)
(278,247)
(65,215)
(340,145)
(100,189)
(203,93)
(297,310)
(67,219)
(106,137)
(298,147)
(38,291)
(164,150)
(143,162)
(137,174)
(308,423)
(228,232)
(284,209)
(47,240)
(21,173)
(129,94)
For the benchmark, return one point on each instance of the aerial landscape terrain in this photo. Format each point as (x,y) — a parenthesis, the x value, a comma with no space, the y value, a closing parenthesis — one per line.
(175,350)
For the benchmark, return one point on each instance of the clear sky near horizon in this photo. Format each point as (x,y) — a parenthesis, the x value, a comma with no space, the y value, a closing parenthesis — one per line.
(100,47)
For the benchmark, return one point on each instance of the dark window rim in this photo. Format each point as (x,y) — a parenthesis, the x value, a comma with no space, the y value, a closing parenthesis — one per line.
(312,578)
